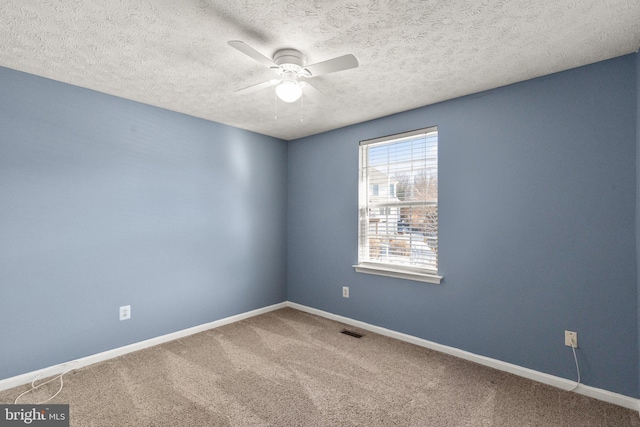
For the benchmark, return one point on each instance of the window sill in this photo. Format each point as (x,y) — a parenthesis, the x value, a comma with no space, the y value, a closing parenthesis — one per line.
(397,272)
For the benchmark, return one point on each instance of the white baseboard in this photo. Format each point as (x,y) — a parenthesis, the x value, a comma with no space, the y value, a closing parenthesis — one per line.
(596,393)
(26,378)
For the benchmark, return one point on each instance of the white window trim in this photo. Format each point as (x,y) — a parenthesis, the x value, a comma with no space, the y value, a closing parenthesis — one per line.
(398,271)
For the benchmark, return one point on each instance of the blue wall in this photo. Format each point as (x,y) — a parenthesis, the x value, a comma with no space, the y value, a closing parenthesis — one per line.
(537,226)
(638,181)
(106,202)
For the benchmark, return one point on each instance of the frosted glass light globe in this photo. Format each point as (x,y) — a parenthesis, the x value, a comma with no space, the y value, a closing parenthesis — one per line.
(289,91)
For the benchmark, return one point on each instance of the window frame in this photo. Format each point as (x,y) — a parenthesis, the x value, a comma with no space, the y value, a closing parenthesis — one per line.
(365,264)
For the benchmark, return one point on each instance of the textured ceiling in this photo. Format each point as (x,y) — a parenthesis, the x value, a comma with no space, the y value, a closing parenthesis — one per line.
(174,54)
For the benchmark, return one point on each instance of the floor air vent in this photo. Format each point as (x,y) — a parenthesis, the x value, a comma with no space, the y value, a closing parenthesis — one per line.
(351,333)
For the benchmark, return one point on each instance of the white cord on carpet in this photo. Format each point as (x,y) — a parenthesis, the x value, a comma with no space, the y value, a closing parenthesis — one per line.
(34,387)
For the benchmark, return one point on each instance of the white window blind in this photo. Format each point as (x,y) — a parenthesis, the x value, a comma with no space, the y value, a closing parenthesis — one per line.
(398,202)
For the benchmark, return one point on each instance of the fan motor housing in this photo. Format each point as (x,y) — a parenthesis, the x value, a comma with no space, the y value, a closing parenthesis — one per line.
(285,57)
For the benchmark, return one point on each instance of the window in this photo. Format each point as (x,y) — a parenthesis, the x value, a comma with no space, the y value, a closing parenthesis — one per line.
(398,230)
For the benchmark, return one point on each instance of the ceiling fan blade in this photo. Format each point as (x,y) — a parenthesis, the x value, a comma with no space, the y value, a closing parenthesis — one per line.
(340,63)
(259,86)
(251,52)
(312,93)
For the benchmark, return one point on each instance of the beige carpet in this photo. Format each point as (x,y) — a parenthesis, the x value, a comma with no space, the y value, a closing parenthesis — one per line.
(289,368)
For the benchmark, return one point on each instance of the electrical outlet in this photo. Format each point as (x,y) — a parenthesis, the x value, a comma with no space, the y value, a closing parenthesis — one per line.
(571,339)
(345,292)
(125,312)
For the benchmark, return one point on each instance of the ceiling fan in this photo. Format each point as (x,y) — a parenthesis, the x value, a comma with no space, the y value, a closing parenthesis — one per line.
(289,65)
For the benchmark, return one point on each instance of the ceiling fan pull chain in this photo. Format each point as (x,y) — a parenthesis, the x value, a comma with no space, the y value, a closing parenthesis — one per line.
(275,106)
(302,110)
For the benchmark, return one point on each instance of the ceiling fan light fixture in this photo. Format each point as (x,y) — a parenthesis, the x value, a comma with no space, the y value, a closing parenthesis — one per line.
(289,91)
(290,65)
